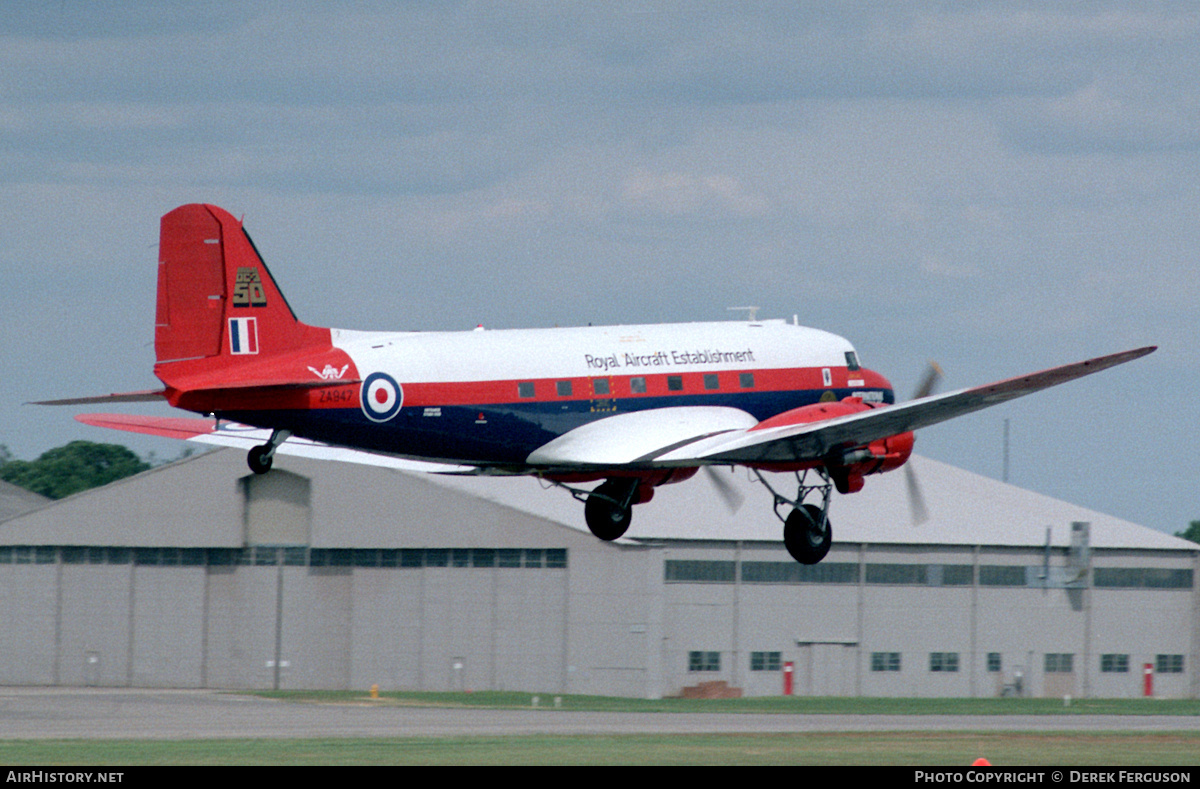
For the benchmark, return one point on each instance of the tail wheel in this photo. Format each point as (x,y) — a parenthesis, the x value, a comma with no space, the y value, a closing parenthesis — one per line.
(263,455)
(803,536)
(260,458)
(608,519)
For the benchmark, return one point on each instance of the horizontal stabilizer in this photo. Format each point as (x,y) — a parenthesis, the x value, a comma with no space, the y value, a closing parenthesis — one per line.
(231,434)
(148,396)
(178,427)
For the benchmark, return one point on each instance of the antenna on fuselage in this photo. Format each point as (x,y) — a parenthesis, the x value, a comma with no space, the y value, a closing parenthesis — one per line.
(751,312)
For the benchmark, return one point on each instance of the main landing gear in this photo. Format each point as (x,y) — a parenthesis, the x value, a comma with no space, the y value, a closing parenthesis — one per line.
(807,533)
(262,456)
(609,508)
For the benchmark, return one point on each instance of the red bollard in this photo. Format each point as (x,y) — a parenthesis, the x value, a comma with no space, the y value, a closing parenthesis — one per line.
(1147,679)
(789,671)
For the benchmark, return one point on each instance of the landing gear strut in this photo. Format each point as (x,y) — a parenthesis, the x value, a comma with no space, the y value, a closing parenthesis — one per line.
(609,508)
(807,533)
(262,456)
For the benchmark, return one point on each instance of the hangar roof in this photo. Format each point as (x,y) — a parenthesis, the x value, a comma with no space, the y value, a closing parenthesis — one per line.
(15,500)
(196,502)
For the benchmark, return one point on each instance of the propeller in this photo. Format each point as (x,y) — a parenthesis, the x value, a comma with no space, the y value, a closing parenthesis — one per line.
(916,499)
(933,374)
(731,496)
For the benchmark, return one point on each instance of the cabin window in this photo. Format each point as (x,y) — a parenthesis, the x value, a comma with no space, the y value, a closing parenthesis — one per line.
(746,380)
(525,389)
(852,360)
(563,388)
(674,383)
(711,381)
(637,385)
(600,386)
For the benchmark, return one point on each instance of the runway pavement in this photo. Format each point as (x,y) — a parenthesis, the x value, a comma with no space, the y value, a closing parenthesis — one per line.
(104,713)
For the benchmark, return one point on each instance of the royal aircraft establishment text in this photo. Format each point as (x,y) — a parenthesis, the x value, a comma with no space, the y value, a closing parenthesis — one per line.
(615,361)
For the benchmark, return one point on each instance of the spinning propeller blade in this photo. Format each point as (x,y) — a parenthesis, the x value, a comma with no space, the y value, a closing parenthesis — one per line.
(916,499)
(732,498)
(933,374)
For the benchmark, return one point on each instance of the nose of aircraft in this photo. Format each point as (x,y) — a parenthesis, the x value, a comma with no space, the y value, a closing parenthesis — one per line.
(879,382)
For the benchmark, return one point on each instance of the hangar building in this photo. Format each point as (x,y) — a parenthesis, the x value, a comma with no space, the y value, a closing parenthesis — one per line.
(326,575)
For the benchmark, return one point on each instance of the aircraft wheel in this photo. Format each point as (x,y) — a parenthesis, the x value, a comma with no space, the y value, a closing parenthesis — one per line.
(807,543)
(608,520)
(258,460)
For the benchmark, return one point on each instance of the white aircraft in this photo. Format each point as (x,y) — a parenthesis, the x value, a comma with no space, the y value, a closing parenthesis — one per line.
(632,407)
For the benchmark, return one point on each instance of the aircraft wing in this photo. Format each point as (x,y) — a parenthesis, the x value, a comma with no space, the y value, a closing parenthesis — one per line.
(638,437)
(805,440)
(698,435)
(230,434)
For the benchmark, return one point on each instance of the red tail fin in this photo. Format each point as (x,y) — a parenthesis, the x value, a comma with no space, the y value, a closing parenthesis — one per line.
(222,324)
(215,295)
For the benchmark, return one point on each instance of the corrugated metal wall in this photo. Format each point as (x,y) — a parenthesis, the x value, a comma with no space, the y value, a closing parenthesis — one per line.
(328,627)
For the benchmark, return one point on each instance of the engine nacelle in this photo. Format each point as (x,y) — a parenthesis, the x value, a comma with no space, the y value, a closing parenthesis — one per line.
(884,454)
(817,412)
(848,467)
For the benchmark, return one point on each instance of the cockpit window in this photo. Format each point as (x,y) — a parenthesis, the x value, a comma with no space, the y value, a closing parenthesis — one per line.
(852,360)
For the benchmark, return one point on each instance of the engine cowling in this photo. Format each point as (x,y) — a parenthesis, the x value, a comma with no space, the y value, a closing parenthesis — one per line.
(848,466)
(884,454)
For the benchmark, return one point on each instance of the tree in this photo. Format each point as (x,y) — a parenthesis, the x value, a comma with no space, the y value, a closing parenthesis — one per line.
(1192,532)
(69,469)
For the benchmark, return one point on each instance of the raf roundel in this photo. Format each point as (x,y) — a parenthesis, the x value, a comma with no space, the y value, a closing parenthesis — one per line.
(381,397)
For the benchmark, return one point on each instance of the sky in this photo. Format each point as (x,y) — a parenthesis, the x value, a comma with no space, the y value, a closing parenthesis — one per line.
(998,186)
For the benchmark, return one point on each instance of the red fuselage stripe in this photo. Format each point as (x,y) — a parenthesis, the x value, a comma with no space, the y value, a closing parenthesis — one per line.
(622,386)
(547,390)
